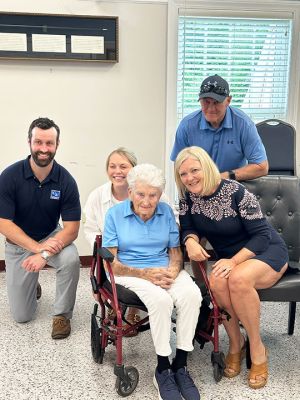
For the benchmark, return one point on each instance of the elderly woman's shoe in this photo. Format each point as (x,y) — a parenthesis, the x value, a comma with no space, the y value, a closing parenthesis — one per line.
(186,385)
(233,362)
(258,374)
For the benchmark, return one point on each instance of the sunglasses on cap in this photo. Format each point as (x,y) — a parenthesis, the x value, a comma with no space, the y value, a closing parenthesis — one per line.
(213,88)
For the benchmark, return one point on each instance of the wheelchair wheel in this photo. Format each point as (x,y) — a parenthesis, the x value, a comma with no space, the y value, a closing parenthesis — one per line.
(124,388)
(96,340)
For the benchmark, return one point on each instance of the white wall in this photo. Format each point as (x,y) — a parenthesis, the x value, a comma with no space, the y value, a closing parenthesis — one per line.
(98,106)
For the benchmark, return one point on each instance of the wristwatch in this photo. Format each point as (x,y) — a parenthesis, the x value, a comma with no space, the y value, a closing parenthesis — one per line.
(45,255)
(232,175)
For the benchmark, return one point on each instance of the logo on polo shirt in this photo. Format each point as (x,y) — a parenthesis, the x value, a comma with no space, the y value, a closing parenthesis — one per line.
(55,194)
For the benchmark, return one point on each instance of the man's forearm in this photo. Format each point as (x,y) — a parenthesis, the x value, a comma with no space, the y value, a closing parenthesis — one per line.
(62,238)
(16,235)
(69,232)
(250,171)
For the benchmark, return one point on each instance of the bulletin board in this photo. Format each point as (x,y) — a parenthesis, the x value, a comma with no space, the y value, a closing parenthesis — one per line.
(59,37)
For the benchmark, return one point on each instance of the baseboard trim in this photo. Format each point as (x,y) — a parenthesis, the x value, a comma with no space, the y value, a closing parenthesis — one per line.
(86,262)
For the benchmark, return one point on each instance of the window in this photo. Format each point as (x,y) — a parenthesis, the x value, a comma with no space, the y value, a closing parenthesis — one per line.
(253,55)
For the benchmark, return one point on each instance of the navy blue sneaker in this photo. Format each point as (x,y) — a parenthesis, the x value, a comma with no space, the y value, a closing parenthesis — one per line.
(186,385)
(166,385)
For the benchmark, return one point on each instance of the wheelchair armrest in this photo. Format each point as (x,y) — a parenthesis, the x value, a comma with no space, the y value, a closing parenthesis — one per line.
(94,284)
(106,254)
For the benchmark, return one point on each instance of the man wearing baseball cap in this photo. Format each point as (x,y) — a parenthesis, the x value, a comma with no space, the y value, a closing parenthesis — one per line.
(228,135)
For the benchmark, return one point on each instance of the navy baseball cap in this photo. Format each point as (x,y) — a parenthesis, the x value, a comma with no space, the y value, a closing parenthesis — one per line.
(214,87)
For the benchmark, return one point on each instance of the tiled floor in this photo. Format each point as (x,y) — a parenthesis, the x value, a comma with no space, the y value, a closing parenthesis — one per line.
(35,367)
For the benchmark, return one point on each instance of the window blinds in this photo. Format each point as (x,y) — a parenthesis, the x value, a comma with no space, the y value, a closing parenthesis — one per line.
(252,54)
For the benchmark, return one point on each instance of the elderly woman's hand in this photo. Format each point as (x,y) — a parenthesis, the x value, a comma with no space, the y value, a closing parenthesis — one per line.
(159,276)
(173,271)
(195,251)
(223,267)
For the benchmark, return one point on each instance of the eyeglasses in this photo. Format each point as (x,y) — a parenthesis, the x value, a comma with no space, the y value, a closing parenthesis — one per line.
(211,87)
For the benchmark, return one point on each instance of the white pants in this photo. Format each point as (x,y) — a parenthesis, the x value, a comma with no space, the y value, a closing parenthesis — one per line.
(184,294)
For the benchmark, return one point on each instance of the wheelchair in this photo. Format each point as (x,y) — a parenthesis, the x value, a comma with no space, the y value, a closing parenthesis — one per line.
(105,330)
(207,330)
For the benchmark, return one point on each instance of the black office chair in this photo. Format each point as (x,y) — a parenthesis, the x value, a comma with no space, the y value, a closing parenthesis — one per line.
(279,198)
(279,138)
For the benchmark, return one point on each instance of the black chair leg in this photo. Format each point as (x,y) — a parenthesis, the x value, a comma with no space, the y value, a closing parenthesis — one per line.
(292,314)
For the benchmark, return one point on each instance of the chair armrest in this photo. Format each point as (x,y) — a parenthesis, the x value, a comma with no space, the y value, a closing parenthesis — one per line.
(106,254)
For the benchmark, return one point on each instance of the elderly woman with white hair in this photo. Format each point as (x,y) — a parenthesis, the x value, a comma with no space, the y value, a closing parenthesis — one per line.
(143,235)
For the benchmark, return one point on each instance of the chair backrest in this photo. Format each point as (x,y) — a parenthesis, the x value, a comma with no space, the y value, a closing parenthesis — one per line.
(279,139)
(279,198)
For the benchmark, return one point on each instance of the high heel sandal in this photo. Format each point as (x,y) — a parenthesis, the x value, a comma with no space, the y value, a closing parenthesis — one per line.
(233,362)
(259,371)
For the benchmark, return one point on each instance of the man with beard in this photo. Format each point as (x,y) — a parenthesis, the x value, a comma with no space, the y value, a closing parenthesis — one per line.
(34,194)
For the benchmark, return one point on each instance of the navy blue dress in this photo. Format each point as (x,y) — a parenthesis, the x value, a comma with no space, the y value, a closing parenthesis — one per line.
(231,219)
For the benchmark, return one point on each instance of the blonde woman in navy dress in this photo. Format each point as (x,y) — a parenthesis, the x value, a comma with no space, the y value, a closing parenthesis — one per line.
(251,255)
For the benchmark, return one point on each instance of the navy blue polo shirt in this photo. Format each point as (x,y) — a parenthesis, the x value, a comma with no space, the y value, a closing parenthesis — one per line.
(34,206)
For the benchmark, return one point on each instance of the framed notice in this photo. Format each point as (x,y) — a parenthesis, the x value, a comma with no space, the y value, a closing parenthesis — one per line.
(59,37)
